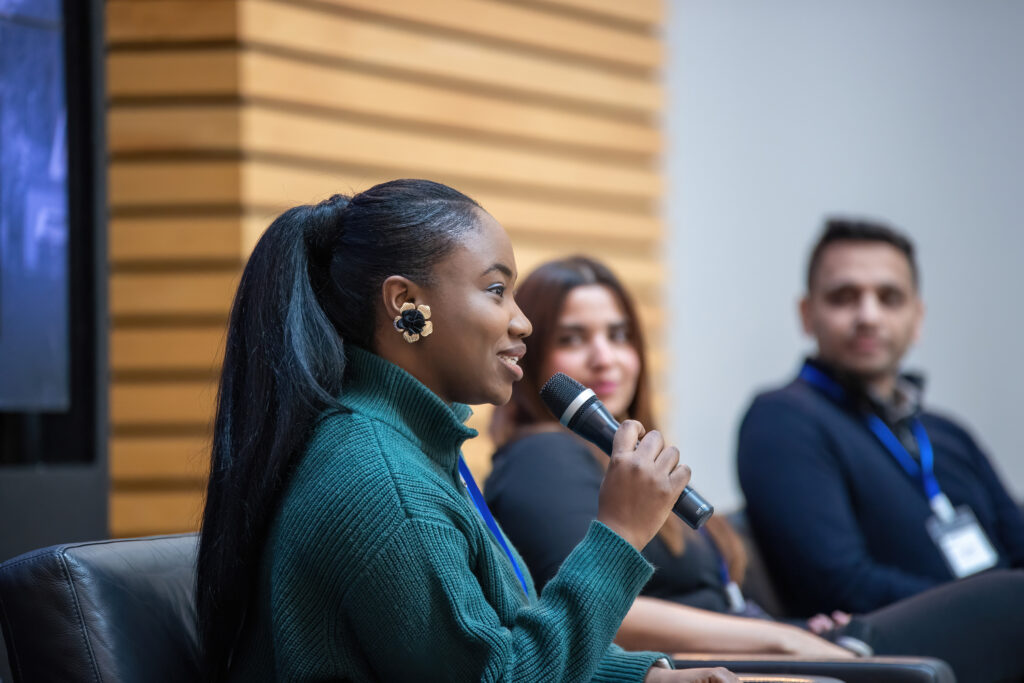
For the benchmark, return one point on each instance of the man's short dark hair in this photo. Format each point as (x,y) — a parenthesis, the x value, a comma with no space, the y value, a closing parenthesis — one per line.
(855,230)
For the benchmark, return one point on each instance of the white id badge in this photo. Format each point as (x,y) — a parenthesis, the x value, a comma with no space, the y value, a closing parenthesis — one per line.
(963,543)
(733,593)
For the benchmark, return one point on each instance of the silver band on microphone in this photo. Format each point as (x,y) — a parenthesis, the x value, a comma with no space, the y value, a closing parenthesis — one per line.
(575,405)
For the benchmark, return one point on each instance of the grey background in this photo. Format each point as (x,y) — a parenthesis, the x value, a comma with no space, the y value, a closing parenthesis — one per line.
(781,112)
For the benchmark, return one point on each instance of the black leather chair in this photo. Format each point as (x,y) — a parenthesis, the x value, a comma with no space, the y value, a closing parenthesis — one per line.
(105,611)
(123,611)
(863,670)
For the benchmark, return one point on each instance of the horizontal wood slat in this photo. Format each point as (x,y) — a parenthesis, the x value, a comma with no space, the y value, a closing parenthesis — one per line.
(271,187)
(313,138)
(162,403)
(644,278)
(649,12)
(174,73)
(144,513)
(523,25)
(172,294)
(175,238)
(251,73)
(174,183)
(156,21)
(142,459)
(316,33)
(197,349)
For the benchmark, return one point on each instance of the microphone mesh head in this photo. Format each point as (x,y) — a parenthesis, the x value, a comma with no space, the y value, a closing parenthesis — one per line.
(559,391)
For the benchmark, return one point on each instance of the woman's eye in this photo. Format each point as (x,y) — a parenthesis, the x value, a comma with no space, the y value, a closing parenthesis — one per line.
(619,335)
(570,340)
(497,289)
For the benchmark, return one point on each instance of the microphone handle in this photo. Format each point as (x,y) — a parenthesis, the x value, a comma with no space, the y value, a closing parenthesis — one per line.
(595,424)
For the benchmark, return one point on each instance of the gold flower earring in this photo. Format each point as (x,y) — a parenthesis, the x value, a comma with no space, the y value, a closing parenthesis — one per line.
(414,321)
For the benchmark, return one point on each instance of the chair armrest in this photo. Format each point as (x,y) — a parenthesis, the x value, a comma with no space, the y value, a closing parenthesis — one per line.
(860,670)
(767,678)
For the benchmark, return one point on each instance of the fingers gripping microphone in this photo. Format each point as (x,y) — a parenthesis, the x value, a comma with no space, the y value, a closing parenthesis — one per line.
(579,409)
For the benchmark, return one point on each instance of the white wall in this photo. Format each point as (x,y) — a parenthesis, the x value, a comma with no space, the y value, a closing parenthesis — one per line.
(780,112)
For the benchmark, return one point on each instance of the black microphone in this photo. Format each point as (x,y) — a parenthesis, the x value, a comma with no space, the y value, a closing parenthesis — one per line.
(579,409)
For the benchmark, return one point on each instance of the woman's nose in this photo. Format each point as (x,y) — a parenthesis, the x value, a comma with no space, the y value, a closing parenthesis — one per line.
(519,326)
(600,352)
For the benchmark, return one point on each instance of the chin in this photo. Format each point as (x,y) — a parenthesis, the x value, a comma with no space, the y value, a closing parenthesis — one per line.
(868,369)
(495,396)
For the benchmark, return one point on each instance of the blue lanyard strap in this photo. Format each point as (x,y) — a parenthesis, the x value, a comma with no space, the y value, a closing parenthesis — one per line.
(723,568)
(818,379)
(925,471)
(485,512)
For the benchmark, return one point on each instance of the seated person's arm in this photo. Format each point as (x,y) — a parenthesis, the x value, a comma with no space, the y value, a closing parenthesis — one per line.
(417,608)
(658,624)
(800,510)
(545,503)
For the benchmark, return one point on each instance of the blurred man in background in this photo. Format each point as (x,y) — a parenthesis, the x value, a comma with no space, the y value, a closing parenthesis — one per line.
(857,495)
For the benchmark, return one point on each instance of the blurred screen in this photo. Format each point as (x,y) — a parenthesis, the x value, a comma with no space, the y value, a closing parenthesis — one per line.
(33,209)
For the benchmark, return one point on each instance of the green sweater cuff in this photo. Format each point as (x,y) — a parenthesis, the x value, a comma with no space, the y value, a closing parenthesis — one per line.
(619,665)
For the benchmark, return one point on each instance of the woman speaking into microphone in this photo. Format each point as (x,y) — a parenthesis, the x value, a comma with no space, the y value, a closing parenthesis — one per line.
(343,537)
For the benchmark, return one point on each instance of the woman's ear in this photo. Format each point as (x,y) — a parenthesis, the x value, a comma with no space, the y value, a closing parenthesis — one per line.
(397,290)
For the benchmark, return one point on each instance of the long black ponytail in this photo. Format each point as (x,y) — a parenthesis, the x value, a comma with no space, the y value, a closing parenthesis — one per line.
(310,287)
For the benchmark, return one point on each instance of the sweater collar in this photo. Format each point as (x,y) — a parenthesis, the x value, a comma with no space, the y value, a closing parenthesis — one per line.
(383,391)
(906,402)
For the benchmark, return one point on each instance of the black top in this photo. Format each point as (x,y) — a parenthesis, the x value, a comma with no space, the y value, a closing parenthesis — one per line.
(840,523)
(543,491)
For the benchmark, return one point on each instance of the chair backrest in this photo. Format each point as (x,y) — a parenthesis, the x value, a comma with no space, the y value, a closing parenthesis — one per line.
(758,583)
(105,612)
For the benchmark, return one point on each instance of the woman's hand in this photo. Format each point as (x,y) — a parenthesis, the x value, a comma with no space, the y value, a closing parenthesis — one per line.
(793,640)
(641,485)
(820,623)
(719,675)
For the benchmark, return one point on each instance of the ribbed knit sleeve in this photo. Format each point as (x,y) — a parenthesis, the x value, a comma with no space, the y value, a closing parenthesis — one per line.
(422,610)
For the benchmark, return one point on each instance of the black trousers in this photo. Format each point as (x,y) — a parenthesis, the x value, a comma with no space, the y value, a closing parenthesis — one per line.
(976,624)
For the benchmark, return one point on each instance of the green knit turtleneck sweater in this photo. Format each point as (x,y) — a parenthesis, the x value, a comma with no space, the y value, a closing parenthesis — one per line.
(379,567)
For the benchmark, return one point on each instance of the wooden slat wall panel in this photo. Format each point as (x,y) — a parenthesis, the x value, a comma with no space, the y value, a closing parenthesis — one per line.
(270,186)
(318,34)
(225,112)
(161,459)
(193,349)
(167,294)
(155,239)
(522,25)
(324,140)
(644,12)
(287,80)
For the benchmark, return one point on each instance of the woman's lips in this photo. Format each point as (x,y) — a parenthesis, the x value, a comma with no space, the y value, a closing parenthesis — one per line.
(604,388)
(510,359)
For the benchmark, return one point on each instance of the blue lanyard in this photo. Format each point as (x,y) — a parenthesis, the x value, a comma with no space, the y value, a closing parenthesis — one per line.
(723,568)
(924,472)
(485,512)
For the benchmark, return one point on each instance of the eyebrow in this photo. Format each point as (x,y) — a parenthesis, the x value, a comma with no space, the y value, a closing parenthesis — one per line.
(579,327)
(501,268)
(846,284)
